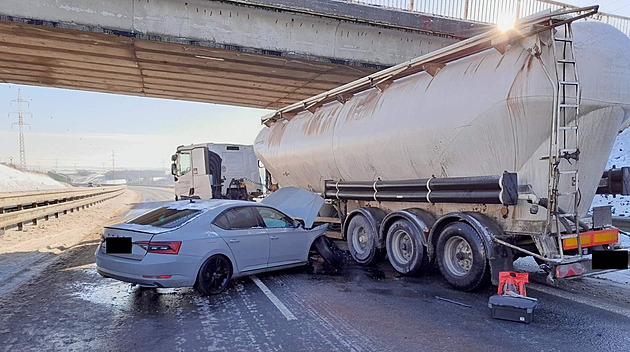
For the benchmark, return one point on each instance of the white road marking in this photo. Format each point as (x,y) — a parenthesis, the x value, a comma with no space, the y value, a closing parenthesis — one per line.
(276,302)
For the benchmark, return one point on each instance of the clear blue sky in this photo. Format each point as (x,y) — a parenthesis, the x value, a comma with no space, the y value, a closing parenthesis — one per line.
(615,7)
(82,128)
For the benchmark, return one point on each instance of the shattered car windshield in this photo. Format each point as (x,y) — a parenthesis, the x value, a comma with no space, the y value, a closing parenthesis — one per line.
(165,217)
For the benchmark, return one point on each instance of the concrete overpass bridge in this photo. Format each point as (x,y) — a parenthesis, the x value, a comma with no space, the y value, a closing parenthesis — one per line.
(260,53)
(257,53)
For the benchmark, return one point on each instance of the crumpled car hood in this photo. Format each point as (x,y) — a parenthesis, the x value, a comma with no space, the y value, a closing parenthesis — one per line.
(296,202)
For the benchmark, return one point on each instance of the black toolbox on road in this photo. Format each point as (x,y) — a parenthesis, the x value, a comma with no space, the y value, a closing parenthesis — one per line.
(512,308)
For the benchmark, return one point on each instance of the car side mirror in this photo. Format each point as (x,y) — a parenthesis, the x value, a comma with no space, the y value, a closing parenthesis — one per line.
(297,224)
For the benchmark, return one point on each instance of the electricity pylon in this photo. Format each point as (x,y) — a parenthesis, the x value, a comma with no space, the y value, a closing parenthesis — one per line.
(21,124)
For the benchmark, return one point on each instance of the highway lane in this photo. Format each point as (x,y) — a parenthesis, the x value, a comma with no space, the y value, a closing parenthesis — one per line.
(151,198)
(154,194)
(70,307)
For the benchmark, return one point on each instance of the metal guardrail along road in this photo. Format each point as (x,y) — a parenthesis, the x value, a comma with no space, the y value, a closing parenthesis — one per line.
(623,223)
(18,208)
(490,11)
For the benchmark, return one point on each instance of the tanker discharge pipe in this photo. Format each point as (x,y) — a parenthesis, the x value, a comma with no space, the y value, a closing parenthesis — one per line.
(500,189)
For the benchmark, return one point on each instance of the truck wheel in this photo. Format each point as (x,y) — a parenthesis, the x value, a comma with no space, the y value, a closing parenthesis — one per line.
(214,275)
(328,251)
(404,248)
(362,241)
(462,257)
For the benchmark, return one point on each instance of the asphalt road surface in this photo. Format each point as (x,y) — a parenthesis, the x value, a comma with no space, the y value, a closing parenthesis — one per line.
(70,307)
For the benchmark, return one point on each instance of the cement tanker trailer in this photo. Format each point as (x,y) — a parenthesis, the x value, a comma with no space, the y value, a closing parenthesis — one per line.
(470,156)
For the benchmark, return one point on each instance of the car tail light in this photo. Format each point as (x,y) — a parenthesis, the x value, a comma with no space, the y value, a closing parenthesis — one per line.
(171,247)
(157,277)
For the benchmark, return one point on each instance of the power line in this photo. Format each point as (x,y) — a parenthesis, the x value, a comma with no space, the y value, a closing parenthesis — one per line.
(21,124)
(113,156)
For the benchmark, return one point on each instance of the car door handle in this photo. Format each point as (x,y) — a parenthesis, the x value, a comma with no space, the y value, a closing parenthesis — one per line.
(234,241)
(274,237)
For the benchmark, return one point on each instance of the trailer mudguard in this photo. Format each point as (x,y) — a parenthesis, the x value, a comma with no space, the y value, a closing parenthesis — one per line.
(422,219)
(374,216)
(499,257)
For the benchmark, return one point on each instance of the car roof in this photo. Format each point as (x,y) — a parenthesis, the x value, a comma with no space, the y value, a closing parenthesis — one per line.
(215,206)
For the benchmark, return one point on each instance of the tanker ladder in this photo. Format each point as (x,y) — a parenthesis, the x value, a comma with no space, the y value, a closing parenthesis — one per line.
(564,149)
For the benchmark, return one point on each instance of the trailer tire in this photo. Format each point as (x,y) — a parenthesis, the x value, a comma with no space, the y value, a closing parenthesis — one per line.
(405,250)
(362,241)
(461,257)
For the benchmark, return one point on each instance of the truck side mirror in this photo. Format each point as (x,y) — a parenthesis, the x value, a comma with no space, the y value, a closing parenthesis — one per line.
(174,157)
(173,169)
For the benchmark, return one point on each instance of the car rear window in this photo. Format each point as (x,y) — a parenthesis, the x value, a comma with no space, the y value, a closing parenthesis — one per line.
(165,217)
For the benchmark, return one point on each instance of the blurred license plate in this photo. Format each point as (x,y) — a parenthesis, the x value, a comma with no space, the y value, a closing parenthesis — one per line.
(610,260)
(118,245)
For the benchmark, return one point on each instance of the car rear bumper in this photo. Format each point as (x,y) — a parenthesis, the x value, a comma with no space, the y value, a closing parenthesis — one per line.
(182,269)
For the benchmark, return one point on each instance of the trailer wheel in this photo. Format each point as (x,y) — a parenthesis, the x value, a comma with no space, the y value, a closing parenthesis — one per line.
(362,241)
(462,257)
(404,248)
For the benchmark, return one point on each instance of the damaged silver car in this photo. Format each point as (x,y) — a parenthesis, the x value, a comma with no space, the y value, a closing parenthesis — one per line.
(205,243)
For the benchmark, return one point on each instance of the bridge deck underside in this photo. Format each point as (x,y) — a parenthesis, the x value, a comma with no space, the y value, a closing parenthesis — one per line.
(63,58)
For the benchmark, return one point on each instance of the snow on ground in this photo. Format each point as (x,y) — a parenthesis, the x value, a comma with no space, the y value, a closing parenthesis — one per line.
(619,156)
(25,253)
(14,180)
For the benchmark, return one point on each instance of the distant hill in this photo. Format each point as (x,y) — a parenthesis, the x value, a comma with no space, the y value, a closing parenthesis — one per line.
(13,179)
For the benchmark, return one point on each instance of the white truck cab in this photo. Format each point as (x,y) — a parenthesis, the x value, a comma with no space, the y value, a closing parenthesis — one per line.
(216,171)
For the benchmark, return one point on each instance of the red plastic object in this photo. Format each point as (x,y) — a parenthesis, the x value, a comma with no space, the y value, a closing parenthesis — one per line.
(512,281)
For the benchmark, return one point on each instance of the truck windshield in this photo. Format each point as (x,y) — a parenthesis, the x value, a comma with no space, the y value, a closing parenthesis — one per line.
(165,217)
(183,164)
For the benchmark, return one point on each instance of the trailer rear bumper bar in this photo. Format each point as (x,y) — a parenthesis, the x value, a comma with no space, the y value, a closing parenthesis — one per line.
(586,266)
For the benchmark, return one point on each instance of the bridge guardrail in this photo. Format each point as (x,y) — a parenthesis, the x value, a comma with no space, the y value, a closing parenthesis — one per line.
(18,208)
(489,11)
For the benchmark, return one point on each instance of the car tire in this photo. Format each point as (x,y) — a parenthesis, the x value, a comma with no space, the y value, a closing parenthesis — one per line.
(214,275)
(329,251)
(405,250)
(362,241)
(461,257)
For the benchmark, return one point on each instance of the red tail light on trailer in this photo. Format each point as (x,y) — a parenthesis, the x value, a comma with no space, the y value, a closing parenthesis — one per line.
(568,270)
